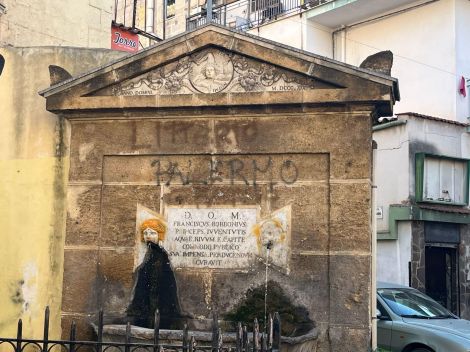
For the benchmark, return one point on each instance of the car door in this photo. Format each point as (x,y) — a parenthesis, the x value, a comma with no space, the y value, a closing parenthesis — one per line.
(384,329)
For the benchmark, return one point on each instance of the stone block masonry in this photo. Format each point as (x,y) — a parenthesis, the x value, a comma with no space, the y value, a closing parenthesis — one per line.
(204,176)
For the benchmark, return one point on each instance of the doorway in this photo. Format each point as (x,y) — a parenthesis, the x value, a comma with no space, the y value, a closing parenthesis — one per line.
(441,275)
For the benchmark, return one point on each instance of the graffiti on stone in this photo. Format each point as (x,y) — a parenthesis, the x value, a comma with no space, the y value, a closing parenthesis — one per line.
(231,171)
(213,71)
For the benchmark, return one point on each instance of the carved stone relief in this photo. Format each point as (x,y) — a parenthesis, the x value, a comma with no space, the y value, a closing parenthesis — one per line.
(213,71)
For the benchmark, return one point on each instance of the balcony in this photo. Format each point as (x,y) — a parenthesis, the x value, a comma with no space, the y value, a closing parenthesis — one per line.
(337,13)
(246,14)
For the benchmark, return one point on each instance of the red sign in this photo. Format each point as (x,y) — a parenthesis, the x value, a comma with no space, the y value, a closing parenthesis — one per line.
(124,40)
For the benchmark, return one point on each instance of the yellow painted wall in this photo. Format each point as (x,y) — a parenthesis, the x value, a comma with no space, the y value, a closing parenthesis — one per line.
(33,174)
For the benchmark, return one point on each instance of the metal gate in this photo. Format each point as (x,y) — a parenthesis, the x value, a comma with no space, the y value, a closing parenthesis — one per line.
(268,340)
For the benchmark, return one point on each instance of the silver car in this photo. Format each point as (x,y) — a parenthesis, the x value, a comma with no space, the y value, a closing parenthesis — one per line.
(410,321)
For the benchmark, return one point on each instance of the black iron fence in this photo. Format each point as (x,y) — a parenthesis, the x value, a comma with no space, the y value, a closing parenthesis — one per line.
(268,340)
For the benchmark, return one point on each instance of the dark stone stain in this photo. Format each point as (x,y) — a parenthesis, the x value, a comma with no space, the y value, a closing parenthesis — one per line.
(17,296)
(414,148)
(155,288)
(2,64)
(381,62)
(422,147)
(18,94)
(59,190)
(58,74)
(295,319)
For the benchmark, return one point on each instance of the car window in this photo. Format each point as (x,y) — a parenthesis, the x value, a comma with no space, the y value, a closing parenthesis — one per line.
(382,310)
(413,304)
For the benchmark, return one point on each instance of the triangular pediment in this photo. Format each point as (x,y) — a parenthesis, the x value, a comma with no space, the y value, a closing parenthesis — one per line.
(214,70)
(215,66)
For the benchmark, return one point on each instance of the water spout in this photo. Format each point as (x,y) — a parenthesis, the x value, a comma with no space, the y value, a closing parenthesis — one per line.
(268,248)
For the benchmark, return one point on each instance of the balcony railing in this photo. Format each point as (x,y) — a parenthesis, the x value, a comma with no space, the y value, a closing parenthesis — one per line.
(246,14)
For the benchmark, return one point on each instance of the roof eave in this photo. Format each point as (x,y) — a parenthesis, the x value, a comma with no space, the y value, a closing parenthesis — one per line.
(300,54)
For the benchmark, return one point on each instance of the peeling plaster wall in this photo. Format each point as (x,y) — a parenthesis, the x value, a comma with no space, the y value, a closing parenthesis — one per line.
(434,137)
(395,254)
(33,173)
(392,155)
(396,150)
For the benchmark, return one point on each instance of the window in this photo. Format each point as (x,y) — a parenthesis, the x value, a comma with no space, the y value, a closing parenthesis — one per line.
(384,314)
(170,8)
(441,179)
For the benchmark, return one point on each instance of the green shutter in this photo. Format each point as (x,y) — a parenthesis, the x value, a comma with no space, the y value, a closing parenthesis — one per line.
(467,180)
(419,176)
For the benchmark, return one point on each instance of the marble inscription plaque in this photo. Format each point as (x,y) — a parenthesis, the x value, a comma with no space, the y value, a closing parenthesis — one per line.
(217,238)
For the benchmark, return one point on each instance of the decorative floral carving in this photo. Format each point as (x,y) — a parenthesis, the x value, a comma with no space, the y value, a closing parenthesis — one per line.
(213,71)
(173,83)
(269,75)
(248,81)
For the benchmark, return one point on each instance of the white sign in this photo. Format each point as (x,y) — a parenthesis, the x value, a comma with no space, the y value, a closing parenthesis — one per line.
(379,213)
(211,237)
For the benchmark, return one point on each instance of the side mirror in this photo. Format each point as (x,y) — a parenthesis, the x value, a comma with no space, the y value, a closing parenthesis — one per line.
(378,314)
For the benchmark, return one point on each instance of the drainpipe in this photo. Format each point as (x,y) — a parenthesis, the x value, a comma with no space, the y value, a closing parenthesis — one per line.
(373,287)
(134,13)
(209,11)
(339,53)
(164,3)
(343,43)
(344,28)
(149,16)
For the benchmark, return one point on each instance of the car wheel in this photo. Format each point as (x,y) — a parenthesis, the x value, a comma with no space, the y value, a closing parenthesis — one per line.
(421,349)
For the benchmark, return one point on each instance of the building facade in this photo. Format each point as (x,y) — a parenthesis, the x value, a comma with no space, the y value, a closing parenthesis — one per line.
(188,135)
(60,23)
(422,211)
(415,220)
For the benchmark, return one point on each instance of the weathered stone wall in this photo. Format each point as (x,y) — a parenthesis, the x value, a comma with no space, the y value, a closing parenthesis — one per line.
(57,22)
(111,171)
(418,257)
(217,120)
(464,271)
